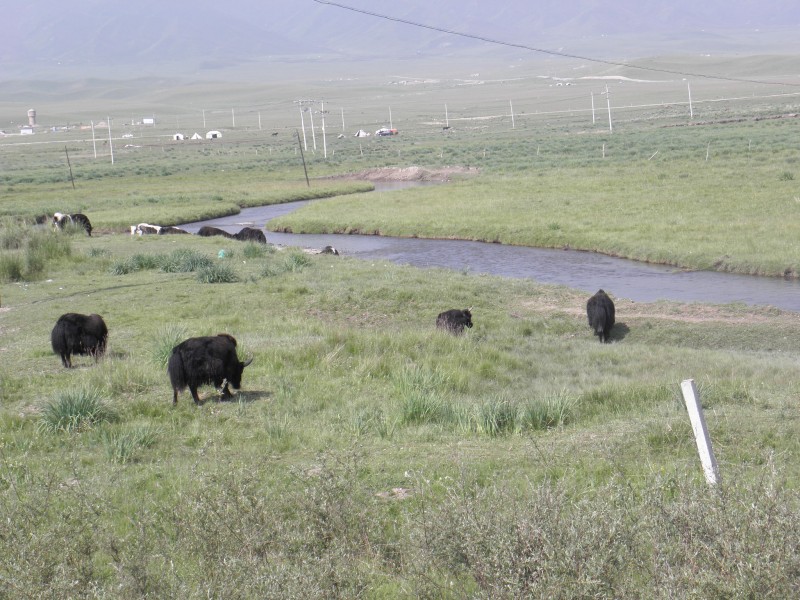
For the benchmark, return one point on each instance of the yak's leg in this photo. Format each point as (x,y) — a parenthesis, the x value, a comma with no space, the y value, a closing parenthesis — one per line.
(193,389)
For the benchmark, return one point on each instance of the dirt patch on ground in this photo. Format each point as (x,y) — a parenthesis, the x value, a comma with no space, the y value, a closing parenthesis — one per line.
(409,174)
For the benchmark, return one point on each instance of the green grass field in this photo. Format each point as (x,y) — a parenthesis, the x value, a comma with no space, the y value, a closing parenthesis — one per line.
(368,454)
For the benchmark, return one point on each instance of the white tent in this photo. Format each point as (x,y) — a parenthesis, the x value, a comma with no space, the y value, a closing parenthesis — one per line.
(178,137)
(212,135)
(197,136)
(361,133)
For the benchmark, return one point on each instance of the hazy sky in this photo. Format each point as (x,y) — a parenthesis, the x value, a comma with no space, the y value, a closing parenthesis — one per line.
(150,32)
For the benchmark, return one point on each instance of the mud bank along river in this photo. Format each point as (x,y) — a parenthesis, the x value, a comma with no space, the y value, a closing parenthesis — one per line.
(622,278)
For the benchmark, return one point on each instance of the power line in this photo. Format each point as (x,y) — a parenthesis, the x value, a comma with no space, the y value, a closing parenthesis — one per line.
(545,51)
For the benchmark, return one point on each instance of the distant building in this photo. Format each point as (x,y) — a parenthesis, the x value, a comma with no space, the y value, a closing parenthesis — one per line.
(26,130)
(149,121)
(212,135)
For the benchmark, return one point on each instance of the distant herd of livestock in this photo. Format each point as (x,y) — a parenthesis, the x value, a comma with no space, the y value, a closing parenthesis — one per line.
(246,234)
(213,359)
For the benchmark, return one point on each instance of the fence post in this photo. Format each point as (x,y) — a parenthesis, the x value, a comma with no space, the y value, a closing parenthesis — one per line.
(704,449)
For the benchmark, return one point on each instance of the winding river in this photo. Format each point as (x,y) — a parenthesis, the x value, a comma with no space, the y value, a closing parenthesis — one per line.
(586,271)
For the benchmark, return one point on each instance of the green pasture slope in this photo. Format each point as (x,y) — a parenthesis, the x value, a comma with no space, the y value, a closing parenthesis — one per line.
(367,454)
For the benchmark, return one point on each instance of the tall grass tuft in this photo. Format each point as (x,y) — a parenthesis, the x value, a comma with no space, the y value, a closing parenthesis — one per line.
(252,250)
(293,262)
(95,252)
(498,417)
(29,250)
(137,262)
(423,396)
(122,446)
(554,410)
(12,267)
(167,338)
(13,234)
(183,260)
(217,273)
(75,410)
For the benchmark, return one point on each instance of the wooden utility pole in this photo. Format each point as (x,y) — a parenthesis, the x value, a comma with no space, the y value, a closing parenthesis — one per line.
(608,102)
(303,156)
(70,167)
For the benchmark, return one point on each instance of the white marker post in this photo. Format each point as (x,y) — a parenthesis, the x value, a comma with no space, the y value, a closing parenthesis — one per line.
(704,448)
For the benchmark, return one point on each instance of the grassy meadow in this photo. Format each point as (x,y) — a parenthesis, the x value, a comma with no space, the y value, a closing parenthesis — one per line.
(368,454)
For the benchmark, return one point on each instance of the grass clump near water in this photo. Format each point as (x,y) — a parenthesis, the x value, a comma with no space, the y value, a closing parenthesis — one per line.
(217,273)
(182,260)
(289,262)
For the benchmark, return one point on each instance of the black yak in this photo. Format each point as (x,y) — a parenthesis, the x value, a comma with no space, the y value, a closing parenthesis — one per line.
(330,250)
(81,220)
(207,231)
(203,360)
(169,229)
(454,320)
(600,311)
(79,334)
(251,234)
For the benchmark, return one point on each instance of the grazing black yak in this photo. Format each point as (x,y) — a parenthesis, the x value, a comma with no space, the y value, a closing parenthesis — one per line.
(60,219)
(203,360)
(600,311)
(330,250)
(79,334)
(169,229)
(454,320)
(251,234)
(207,231)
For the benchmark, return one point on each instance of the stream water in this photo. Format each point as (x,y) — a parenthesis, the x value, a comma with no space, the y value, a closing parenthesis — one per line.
(586,271)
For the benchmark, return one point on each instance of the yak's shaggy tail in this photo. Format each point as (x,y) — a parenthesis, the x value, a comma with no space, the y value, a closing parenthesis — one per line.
(177,374)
